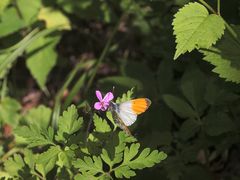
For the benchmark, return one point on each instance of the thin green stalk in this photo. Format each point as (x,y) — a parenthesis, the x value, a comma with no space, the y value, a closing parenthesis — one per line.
(25,42)
(78,85)
(31,37)
(207,6)
(104,53)
(57,106)
(74,90)
(4,88)
(219,7)
(10,153)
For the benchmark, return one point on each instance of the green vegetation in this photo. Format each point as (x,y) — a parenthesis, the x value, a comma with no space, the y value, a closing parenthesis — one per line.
(181,54)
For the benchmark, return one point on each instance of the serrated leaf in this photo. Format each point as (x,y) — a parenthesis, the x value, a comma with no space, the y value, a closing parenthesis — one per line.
(225,57)
(110,118)
(35,136)
(91,166)
(131,152)
(100,124)
(195,28)
(54,18)
(68,123)
(42,58)
(14,165)
(105,157)
(179,106)
(29,158)
(9,111)
(65,158)
(126,96)
(39,116)
(124,171)
(145,159)
(85,177)
(47,160)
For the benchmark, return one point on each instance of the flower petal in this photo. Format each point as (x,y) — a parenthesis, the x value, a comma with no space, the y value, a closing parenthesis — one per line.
(108,97)
(97,106)
(99,95)
(105,106)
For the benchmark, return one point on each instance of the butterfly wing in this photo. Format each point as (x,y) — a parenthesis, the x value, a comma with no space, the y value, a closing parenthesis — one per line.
(129,110)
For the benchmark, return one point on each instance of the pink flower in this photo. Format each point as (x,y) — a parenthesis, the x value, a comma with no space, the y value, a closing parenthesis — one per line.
(103,102)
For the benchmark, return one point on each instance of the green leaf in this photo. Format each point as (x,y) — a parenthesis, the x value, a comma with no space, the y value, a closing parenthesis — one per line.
(29,10)
(100,124)
(105,157)
(29,158)
(65,158)
(40,116)
(179,106)
(85,177)
(131,152)
(195,28)
(42,58)
(130,161)
(68,123)
(225,57)
(54,18)
(10,22)
(124,171)
(91,166)
(3,5)
(217,123)
(126,96)
(46,161)
(14,165)
(9,111)
(189,128)
(35,136)
(193,87)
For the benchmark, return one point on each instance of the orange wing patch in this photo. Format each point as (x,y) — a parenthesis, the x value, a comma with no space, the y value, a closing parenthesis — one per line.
(140,105)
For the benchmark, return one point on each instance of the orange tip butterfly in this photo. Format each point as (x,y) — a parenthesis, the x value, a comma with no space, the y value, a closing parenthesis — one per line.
(126,113)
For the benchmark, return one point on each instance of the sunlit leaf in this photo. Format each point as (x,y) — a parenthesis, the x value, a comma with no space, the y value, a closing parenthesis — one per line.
(195,28)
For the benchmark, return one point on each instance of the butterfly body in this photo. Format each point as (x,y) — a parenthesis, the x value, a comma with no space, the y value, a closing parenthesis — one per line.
(128,111)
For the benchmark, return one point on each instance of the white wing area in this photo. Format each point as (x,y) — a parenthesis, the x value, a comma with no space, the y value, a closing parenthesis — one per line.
(126,114)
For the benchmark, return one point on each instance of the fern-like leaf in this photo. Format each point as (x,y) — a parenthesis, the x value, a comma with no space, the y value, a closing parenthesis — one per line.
(35,136)
(89,166)
(131,161)
(69,123)
(195,28)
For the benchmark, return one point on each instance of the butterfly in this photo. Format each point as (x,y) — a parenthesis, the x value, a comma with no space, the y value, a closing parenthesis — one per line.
(125,113)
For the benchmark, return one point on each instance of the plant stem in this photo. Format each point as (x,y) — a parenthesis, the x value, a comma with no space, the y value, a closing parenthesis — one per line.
(57,106)
(219,7)
(104,53)
(229,28)
(10,153)
(208,6)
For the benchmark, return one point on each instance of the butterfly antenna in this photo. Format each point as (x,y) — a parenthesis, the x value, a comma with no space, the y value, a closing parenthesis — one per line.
(113,89)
